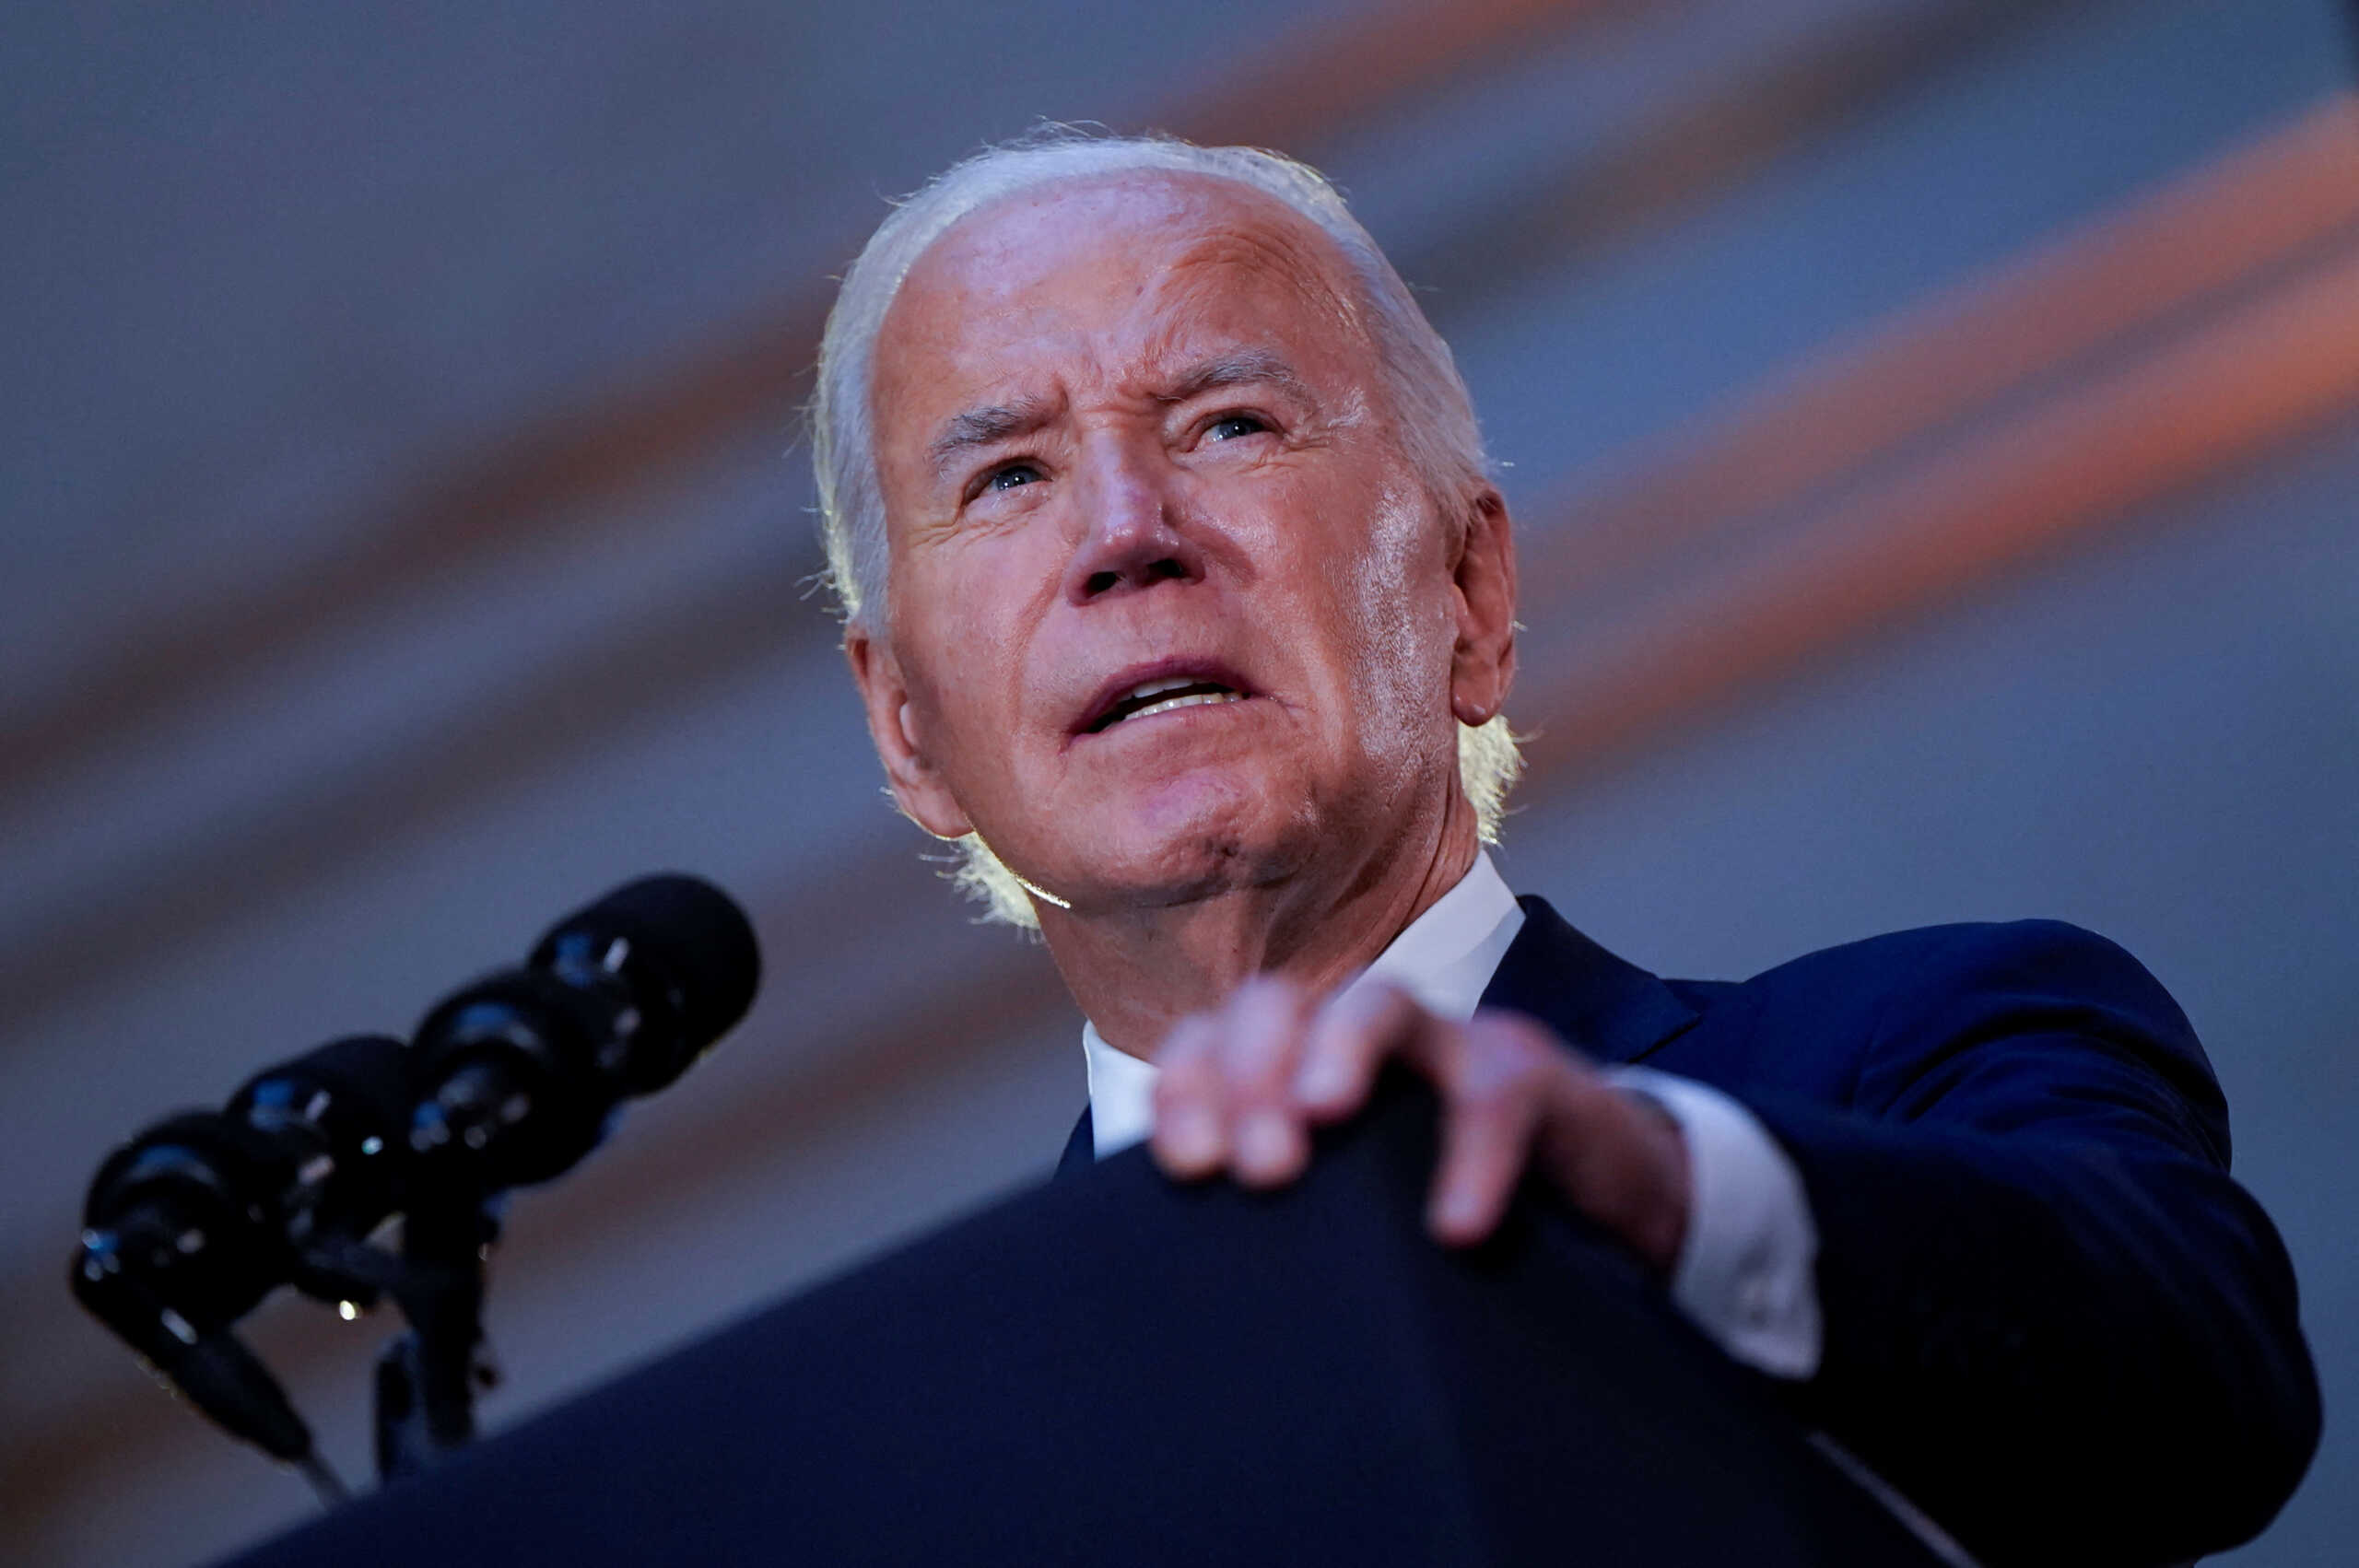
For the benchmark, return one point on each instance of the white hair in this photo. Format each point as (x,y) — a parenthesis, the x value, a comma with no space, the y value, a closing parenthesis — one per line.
(1430,405)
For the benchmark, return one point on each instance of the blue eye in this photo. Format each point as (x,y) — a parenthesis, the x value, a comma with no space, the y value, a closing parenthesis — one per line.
(1228,426)
(1011,475)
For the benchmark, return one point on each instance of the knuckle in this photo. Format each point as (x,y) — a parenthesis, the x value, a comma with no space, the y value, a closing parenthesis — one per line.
(1188,1039)
(1170,1088)
(1353,1035)
(1503,1074)
(1263,996)
(1487,1091)
(1538,1038)
(1353,1015)
(1520,1049)
(1265,1033)
(1190,1056)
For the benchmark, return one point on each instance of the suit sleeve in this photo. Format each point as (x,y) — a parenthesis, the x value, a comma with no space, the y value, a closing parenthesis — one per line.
(2050,1317)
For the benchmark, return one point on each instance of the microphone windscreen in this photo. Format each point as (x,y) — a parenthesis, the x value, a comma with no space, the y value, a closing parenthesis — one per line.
(695,932)
(369,1072)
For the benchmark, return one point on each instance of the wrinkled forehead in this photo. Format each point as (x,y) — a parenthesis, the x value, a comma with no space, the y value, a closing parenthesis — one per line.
(1144,245)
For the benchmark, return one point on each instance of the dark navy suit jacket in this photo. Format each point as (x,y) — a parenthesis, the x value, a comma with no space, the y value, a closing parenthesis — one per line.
(2051,1318)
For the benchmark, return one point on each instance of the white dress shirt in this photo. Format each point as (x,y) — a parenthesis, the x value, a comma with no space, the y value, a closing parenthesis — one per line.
(1743,1274)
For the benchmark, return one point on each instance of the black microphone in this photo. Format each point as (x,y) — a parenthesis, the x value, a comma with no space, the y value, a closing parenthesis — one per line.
(516,1077)
(190,1224)
(509,1081)
(339,1113)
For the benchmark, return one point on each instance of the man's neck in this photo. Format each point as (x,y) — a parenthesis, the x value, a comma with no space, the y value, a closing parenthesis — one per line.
(1137,973)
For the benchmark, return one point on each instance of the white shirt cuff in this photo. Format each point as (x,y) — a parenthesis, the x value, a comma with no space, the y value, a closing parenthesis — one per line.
(1744,1274)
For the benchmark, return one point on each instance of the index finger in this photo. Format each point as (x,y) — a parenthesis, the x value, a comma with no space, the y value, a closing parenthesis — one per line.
(1349,1040)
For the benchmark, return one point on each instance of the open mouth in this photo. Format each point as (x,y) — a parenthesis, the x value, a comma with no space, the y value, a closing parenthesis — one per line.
(1167,695)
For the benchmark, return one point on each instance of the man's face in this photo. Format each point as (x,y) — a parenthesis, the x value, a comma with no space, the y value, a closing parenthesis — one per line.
(1169,610)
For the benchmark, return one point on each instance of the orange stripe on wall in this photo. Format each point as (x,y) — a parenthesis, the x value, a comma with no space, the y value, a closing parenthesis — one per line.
(2206,402)
(2205,232)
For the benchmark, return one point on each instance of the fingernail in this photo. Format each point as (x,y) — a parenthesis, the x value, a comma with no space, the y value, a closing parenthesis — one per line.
(1264,1143)
(1190,1137)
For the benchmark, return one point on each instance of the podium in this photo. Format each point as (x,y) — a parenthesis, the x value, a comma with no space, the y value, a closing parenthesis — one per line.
(1115,1369)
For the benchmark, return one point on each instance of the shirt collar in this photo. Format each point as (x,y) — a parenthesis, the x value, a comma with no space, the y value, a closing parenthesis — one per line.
(1444,958)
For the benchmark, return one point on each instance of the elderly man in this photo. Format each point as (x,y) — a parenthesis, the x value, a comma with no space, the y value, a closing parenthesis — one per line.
(1178,594)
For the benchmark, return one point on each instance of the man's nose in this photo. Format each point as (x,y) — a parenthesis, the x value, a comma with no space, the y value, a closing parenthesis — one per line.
(1130,533)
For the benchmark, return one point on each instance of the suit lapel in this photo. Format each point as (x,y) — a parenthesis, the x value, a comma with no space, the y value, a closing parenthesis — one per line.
(1081,1149)
(1607,1007)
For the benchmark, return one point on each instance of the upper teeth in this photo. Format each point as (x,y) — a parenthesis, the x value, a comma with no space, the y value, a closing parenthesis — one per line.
(1142,695)
(1167,704)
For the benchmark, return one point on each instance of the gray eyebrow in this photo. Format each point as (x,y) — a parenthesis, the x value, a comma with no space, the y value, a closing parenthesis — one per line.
(985,426)
(993,423)
(1239,367)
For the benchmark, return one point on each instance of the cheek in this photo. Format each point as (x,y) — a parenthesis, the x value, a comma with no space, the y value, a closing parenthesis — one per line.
(1398,608)
(963,637)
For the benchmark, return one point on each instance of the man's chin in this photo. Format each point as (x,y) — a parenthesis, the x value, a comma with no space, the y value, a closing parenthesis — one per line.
(1169,872)
(1172,839)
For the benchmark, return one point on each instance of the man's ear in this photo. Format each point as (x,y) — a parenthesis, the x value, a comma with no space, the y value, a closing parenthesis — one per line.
(917,788)
(1484,664)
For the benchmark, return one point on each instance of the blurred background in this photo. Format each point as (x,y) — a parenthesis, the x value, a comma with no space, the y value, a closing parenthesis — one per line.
(1934,427)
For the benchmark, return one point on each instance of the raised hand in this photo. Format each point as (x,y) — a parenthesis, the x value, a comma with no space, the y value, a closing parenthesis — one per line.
(1240,1087)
